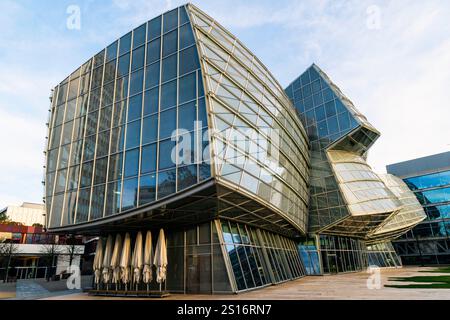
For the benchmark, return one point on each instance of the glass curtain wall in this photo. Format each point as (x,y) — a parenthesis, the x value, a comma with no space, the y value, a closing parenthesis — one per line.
(383,255)
(309,254)
(341,254)
(258,257)
(115,122)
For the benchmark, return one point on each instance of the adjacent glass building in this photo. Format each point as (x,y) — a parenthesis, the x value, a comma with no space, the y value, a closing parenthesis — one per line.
(429,179)
(350,205)
(177,125)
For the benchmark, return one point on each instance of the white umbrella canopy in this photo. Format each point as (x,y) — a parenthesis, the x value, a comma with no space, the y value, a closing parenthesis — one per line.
(125,260)
(107,260)
(115,259)
(160,260)
(148,258)
(98,260)
(138,258)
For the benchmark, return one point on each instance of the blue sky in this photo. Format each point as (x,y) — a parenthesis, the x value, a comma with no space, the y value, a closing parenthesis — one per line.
(392,58)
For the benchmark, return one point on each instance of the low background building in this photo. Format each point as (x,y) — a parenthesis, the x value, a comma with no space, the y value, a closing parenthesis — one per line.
(27,251)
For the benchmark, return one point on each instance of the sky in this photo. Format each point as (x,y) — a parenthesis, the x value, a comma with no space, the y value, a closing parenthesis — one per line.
(391,58)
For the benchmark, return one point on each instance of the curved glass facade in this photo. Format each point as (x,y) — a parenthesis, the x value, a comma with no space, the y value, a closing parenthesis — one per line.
(258,144)
(117,120)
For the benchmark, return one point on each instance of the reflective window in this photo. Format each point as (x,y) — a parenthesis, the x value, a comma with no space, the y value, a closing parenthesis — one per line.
(136,82)
(170,41)
(124,65)
(135,108)
(188,60)
(131,163)
(150,129)
(186,36)
(151,101)
(113,196)
(133,134)
(187,90)
(153,50)
(138,58)
(169,68)
(129,194)
(166,183)
(147,189)
(139,35)
(98,202)
(429,181)
(148,163)
(168,95)
(170,20)
(168,119)
(152,75)
(187,176)
(125,44)
(111,51)
(187,115)
(154,28)
(166,152)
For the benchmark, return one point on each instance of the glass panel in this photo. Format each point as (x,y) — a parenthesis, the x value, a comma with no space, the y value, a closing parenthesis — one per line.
(115,167)
(148,163)
(152,75)
(154,28)
(111,51)
(151,101)
(153,50)
(170,43)
(166,183)
(113,198)
(187,88)
(125,43)
(147,189)
(84,197)
(169,95)
(139,35)
(129,194)
(169,68)
(187,116)
(138,58)
(86,174)
(135,108)
(98,202)
(169,120)
(170,20)
(187,176)
(131,163)
(188,60)
(150,129)
(136,82)
(186,36)
(124,65)
(166,151)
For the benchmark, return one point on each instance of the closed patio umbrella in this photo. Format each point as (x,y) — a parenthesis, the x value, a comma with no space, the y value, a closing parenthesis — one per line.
(160,260)
(148,259)
(107,260)
(138,259)
(115,259)
(98,260)
(125,260)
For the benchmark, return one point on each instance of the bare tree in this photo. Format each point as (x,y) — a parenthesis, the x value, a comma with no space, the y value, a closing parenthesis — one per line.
(50,252)
(7,251)
(72,249)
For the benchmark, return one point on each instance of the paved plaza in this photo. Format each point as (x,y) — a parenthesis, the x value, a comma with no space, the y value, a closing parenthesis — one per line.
(350,286)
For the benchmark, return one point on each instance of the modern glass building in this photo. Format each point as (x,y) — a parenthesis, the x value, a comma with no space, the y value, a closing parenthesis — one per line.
(177,125)
(350,205)
(429,179)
